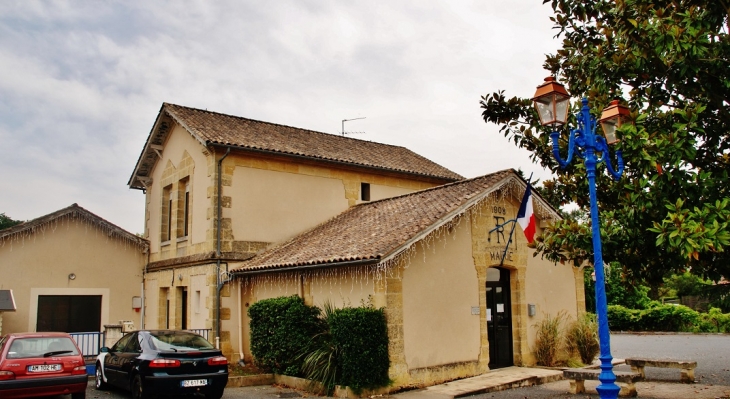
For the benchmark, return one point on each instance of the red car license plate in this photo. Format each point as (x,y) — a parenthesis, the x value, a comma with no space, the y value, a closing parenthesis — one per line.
(193,383)
(36,368)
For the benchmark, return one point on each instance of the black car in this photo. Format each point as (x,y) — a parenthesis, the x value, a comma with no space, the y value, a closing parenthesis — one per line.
(168,362)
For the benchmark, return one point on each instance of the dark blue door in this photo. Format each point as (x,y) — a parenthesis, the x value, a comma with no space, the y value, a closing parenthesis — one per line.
(499,318)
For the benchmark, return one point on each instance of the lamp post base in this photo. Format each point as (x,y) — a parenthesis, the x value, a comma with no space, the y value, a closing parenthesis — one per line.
(607,389)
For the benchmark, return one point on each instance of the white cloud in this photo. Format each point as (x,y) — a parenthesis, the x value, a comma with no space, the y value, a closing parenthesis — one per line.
(83,82)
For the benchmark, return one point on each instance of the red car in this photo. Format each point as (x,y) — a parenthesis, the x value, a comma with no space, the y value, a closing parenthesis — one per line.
(41,364)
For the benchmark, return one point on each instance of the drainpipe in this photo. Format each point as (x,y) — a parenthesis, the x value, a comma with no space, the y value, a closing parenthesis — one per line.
(240,326)
(219,283)
(144,276)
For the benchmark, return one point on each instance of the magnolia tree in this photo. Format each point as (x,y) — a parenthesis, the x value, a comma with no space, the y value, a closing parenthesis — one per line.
(670,63)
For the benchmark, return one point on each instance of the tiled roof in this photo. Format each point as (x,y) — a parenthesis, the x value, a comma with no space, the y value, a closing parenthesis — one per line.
(74,212)
(233,130)
(373,231)
(212,128)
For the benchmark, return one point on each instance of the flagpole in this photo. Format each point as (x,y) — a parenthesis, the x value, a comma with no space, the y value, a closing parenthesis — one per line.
(509,241)
(514,221)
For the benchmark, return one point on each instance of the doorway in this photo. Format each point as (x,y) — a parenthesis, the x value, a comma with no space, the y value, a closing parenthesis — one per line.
(499,318)
(184,310)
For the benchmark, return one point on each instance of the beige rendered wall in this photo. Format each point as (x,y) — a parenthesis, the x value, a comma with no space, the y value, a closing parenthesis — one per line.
(199,297)
(439,289)
(378,191)
(343,288)
(552,288)
(272,206)
(183,157)
(40,264)
(275,288)
(269,200)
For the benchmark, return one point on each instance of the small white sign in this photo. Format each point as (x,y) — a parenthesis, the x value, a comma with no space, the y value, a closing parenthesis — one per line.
(500,308)
(475,310)
(489,314)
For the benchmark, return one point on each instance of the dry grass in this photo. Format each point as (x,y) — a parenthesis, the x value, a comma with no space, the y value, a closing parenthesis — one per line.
(583,338)
(549,340)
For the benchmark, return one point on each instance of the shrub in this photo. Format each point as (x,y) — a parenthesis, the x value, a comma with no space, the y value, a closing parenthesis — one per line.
(361,336)
(667,317)
(714,321)
(621,318)
(280,329)
(549,339)
(582,338)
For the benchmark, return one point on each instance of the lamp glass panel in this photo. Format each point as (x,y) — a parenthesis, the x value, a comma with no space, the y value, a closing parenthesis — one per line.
(609,130)
(561,109)
(545,110)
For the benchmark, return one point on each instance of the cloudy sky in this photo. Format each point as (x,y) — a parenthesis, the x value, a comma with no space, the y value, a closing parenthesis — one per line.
(81,82)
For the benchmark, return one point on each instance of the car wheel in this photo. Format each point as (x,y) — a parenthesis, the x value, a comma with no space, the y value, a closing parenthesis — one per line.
(99,379)
(214,394)
(137,389)
(78,395)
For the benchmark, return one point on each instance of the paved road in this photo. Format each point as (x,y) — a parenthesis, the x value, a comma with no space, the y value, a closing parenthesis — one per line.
(712,353)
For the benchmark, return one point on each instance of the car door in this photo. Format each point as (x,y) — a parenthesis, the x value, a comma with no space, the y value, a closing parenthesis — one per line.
(113,362)
(128,360)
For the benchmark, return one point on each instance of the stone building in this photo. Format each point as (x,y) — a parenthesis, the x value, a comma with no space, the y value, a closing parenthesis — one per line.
(276,181)
(71,271)
(239,210)
(458,299)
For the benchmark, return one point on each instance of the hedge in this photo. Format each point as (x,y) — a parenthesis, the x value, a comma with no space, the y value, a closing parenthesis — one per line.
(361,334)
(284,330)
(280,328)
(666,317)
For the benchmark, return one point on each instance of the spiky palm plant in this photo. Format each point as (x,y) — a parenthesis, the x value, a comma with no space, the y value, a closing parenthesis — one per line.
(320,358)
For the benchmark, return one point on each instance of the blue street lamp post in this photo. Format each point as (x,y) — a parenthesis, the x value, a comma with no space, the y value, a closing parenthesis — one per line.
(552,103)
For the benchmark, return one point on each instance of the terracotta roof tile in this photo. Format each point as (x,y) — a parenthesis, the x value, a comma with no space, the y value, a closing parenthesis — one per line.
(73,212)
(374,230)
(217,128)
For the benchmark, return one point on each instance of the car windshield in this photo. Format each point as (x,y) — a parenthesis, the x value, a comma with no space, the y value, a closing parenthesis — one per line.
(178,341)
(41,347)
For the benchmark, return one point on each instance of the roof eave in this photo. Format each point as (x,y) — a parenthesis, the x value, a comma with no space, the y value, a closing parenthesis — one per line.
(264,270)
(136,181)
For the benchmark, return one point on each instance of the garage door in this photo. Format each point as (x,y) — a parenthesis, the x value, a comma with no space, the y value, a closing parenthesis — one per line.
(69,313)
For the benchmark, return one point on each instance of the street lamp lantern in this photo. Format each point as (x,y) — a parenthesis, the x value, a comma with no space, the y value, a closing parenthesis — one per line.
(612,118)
(552,102)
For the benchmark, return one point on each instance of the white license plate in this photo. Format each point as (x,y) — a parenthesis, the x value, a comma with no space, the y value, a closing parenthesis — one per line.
(193,383)
(44,367)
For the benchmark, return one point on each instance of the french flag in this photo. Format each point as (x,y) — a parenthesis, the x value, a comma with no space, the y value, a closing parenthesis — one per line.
(525,217)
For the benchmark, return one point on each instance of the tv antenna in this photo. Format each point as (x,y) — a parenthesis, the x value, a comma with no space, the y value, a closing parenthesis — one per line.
(353,119)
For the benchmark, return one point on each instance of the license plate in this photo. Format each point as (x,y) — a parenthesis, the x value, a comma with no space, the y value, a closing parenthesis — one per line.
(44,367)
(193,383)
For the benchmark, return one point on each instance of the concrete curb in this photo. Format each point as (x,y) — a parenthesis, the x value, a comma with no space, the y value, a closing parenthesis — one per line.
(250,380)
